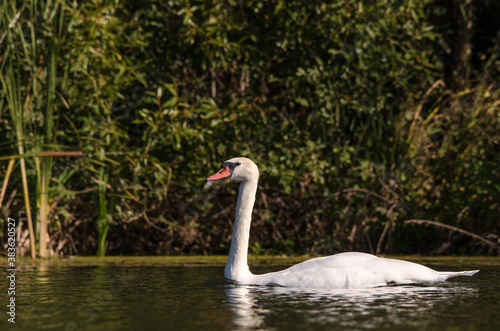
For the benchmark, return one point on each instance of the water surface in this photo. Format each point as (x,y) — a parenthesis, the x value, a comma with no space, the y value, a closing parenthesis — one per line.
(165,293)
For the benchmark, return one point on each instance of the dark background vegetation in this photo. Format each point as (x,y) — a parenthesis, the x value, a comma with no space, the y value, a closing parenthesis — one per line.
(361,115)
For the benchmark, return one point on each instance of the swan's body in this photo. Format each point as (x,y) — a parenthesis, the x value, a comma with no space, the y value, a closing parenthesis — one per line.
(344,270)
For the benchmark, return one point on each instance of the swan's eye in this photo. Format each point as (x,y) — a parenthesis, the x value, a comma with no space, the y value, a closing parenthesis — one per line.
(229,165)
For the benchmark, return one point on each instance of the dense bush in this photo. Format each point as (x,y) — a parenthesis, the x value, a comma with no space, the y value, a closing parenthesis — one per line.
(360,115)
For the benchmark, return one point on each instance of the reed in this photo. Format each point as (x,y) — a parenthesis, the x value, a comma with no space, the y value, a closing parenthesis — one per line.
(103,222)
(11,81)
(46,169)
(28,73)
(6,178)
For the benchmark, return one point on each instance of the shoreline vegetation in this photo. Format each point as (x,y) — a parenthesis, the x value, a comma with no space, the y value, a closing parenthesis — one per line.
(452,262)
(376,126)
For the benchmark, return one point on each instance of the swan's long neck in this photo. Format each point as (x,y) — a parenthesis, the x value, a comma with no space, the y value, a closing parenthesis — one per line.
(237,266)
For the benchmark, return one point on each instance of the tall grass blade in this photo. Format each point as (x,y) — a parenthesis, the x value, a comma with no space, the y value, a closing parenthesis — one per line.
(46,168)
(11,81)
(103,222)
(6,179)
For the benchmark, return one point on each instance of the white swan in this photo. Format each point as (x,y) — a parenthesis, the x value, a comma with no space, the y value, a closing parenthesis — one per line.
(344,270)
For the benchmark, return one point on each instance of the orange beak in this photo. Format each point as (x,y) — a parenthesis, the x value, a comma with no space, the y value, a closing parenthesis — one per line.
(220,175)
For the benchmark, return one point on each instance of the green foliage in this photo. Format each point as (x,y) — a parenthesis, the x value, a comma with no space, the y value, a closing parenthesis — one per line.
(352,110)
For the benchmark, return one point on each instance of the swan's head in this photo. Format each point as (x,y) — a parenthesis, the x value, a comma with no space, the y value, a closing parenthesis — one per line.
(239,169)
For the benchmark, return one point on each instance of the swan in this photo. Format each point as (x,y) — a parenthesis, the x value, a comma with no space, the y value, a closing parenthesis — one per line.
(340,271)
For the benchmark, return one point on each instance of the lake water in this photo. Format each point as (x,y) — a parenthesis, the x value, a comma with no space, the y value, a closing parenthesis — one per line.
(190,293)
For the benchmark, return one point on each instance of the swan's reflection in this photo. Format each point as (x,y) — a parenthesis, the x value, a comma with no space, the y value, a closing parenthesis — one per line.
(268,306)
(243,303)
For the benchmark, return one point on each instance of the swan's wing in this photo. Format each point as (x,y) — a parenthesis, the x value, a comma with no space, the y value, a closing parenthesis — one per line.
(344,270)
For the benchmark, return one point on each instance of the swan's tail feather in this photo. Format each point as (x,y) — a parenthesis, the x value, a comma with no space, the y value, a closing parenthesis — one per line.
(458,273)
